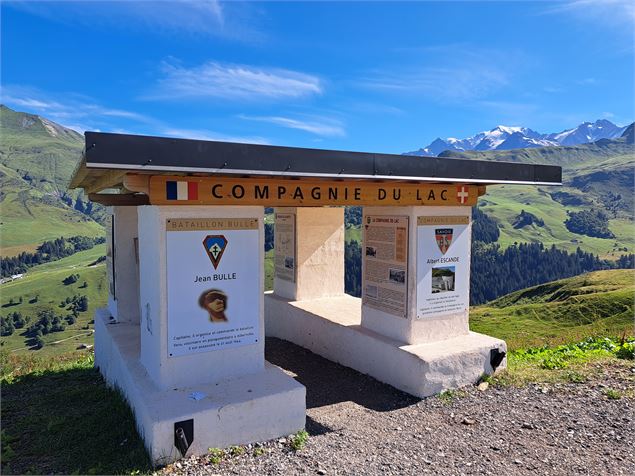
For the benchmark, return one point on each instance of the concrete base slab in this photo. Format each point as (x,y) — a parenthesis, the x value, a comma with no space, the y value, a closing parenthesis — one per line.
(235,411)
(331,327)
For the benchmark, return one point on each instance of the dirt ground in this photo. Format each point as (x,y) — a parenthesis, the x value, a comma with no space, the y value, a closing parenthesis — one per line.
(358,425)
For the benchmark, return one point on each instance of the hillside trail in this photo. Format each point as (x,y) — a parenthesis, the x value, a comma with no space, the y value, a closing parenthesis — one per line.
(84,334)
(358,425)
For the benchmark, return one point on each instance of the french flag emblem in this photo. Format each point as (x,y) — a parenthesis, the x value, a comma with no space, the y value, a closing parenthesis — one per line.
(181,190)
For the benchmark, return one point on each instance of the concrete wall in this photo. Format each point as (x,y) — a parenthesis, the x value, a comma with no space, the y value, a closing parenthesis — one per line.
(411,330)
(195,368)
(125,305)
(319,235)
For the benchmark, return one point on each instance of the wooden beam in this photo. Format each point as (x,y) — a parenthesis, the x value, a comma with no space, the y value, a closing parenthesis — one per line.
(108,179)
(79,174)
(119,199)
(137,183)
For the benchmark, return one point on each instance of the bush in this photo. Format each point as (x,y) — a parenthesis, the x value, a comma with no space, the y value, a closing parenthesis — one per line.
(70,279)
(625,351)
(552,358)
(39,342)
(299,440)
(6,326)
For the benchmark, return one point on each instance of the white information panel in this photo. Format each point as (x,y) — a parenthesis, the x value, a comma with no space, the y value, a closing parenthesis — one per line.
(443,265)
(385,254)
(284,246)
(213,280)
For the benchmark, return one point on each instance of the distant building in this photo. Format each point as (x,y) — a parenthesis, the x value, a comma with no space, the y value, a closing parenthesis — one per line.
(12,278)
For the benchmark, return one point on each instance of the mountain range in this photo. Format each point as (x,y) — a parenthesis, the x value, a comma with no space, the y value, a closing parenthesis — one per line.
(37,158)
(508,138)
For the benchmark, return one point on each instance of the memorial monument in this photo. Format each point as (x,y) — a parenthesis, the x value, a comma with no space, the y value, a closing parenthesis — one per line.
(183,334)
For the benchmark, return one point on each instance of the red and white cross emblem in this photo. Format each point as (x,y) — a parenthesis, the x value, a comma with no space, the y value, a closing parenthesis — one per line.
(462,194)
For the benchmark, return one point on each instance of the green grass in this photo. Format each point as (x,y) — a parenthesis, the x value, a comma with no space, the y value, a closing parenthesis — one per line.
(45,281)
(27,222)
(595,169)
(35,169)
(598,303)
(61,418)
(505,202)
(298,441)
(269,269)
(353,233)
(575,362)
(612,394)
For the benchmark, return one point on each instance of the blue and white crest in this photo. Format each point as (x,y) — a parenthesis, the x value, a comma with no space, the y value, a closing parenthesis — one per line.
(215,247)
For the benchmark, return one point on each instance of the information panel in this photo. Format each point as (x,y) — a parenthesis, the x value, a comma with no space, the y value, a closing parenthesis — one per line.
(385,255)
(443,265)
(284,246)
(213,280)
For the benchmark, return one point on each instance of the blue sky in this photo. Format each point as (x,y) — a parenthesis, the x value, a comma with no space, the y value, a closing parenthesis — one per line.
(370,76)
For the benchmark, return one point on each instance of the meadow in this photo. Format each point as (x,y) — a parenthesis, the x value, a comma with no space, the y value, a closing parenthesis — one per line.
(601,303)
(43,288)
(506,202)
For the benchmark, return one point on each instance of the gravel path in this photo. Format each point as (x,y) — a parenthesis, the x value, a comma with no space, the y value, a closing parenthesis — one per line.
(358,425)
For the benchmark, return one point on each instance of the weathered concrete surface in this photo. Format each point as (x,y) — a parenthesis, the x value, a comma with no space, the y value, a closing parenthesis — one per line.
(125,303)
(331,328)
(234,411)
(319,242)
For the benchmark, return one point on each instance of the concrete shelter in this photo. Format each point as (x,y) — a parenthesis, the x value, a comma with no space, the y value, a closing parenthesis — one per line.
(183,334)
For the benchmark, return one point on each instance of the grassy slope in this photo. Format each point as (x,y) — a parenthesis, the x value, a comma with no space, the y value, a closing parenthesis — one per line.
(589,172)
(45,281)
(35,168)
(598,303)
(505,202)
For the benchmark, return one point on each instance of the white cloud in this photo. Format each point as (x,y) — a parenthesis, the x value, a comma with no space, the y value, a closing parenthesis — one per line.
(319,126)
(82,113)
(454,73)
(232,82)
(191,16)
(75,111)
(607,12)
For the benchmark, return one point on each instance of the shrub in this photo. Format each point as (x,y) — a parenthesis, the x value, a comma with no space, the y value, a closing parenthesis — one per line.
(70,279)
(299,440)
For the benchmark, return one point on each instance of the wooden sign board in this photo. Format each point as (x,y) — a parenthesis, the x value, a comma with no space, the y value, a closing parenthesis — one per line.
(177,190)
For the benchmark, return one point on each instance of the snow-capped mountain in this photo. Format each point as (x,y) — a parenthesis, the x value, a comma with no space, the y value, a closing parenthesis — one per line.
(506,138)
(588,132)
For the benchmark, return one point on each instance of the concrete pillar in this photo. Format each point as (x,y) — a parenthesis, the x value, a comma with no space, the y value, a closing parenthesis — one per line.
(309,250)
(194,368)
(123,265)
(408,323)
